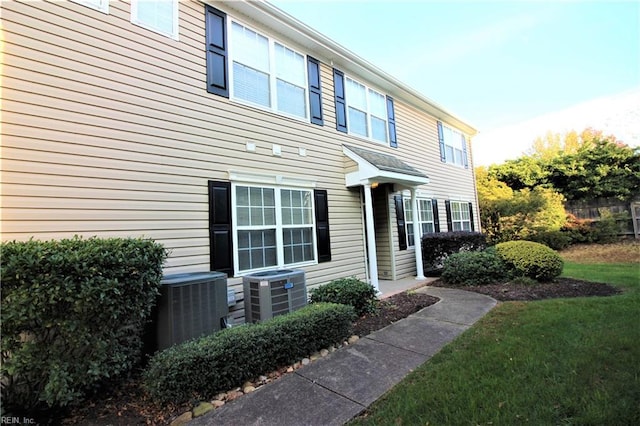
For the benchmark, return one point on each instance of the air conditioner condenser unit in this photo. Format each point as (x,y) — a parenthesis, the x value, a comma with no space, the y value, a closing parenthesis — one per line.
(271,293)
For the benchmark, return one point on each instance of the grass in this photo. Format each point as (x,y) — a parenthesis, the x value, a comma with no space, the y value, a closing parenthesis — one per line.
(558,361)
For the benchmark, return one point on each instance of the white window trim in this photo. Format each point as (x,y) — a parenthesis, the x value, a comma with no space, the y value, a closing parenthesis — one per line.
(99,5)
(465,205)
(409,224)
(368,113)
(175,26)
(278,227)
(273,97)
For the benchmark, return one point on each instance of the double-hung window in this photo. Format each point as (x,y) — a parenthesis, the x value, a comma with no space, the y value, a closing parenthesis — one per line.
(267,73)
(367,111)
(460,216)
(274,227)
(157,15)
(453,146)
(424,217)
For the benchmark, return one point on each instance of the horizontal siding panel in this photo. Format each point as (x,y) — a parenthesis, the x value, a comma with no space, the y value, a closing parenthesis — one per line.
(126,227)
(95,203)
(25,195)
(109,215)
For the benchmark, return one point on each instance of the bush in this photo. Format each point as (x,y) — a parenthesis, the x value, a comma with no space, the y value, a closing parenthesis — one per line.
(474,268)
(200,368)
(556,240)
(530,259)
(347,291)
(73,313)
(437,246)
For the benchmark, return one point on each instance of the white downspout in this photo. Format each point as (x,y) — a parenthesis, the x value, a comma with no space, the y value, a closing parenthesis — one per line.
(371,238)
(417,236)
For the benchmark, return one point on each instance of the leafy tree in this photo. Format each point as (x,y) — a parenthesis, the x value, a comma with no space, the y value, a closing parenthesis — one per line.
(508,214)
(598,169)
(523,172)
(580,166)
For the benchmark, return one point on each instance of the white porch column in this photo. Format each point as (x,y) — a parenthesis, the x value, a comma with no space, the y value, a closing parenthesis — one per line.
(417,233)
(371,237)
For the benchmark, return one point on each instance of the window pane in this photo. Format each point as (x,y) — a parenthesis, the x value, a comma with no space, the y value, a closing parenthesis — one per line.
(298,245)
(260,251)
(158,15)
(250,48)
(287,216)
(251,85)
(268,197)
(356,95)
(377,104)
(449,154)
(357,122)
(291,99)
(378,129)
(242,195)
(243,216)
(408,212)
(289,65)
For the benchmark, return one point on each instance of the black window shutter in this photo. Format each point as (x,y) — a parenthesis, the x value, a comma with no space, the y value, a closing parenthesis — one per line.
(322,225)
(341,103)
(473,228)
(436,216)
(393,141)
(402,229)
(464,152)
(220,241)
(216,38)
(447,205)
(443,155)
(315,92)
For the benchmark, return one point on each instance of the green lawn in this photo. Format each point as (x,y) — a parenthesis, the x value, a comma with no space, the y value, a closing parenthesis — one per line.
(560,361)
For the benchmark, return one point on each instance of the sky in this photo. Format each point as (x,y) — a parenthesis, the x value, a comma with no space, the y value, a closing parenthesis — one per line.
(512,69)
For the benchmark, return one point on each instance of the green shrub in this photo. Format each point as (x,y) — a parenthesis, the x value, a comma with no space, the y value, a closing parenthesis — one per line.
(474,268)
(530,259)
(437,246)
(347,291)
(200,368)
(556,240)
(73,313)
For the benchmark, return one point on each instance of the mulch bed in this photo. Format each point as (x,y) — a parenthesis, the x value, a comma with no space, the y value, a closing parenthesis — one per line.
(392,309)
(560,287)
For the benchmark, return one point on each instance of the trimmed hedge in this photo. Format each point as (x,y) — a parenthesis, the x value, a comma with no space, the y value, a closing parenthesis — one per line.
(475,268)
(73,313)
(529,259)
(199,368)
(347,291)
(438,246)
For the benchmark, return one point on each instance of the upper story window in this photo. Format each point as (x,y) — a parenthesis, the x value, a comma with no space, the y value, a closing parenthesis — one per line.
(160,16)
(424,217)
(363,111)
(367,111)
(267,73)
(453,146)
(101,5)
(249,66)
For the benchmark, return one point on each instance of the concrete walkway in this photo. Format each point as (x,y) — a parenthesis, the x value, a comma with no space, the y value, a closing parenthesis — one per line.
(338,387)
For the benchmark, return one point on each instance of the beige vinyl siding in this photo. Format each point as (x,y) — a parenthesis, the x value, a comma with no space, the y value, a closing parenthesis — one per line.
(108,130)
(383,234)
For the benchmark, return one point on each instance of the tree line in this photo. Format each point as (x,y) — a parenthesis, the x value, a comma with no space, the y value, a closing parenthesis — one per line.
(524,198)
